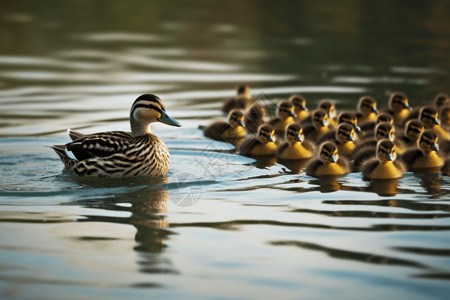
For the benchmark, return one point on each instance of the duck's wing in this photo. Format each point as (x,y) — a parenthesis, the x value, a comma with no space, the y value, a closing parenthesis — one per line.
(312,167)
(246,147)
(281,148)
(369,166)
(344,163)
(96,146)
(410,156)
(216,129)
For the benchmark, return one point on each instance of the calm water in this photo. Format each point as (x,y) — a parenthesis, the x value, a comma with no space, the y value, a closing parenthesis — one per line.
(218,226)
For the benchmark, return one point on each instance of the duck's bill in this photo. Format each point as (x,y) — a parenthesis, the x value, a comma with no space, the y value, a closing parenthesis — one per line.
(168,120)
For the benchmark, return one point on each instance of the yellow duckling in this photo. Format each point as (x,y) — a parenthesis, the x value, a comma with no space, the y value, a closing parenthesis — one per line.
(368,128)
(300,109)
(240,101)
(385,165)
(329,107)
(345,139)
(439,101)
(412,133)
(425,156)
(399,107)
(328,162)
(429,117)
(254,117)
(262,144)
(344,117)
(294,147)
(230,132)
(320,125)
(285,117)
(367,110)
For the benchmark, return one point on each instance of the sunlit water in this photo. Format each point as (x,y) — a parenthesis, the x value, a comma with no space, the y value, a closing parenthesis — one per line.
(219,225)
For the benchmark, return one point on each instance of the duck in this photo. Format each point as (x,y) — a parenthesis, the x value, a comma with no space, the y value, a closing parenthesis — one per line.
(367,110)
(294,147)
(384,165)
(328,162)
(328,107)
(399,107)
(439,101)
(320,125)
(262,144)
(368,128)
(254,117)
(300,109)
(286,115)
(231,131)
(240,101)
(345,139)
(344,117)
(429,117)
(425,155)
(410,137)
(120,154)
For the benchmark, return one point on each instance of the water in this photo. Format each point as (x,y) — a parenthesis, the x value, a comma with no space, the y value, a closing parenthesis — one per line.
(218,226)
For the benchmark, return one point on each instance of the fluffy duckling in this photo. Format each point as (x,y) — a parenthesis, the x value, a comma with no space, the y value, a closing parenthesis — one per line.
(410,137)
(399,107)
(429,117)
(300,109)
(328,162)
(345,139)
(285,112)
(320,125)
(240,101)
(262,144)
(425,156)
(229,132)
(344,117)
(367,110)
(385,165)
(254,117)
(294,147)
(328,107)
(439,101)
(369,127)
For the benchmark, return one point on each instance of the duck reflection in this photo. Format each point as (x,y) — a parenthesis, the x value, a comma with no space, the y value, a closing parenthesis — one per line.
(295,166)
(431,180)
(329,183)
(384,187)
(264,161)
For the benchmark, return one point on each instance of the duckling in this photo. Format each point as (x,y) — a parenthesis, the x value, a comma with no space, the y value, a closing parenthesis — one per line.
(367,110)
(119,153)
(345,139)
(320,125)
(300,109)
(344,117)
(262,144)
(294,147)
(230,132)
(328,162)
(439,101)
(328,107)
(369,127)
(410,137)
(240,101)
(425,156)
(385,165)
(444,116)
(254,117)
(429,117)
(398,107)
(285,117)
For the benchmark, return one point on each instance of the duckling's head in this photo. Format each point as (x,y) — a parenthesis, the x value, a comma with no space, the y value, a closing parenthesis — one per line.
(349,118)
(294,133)
(328,153)
(243,90)
(265,133)
(328,106)
(429,116)
(440,100)
(386,151)
(413,129)
(299,103)
(345,133)
(367,105)
(320,118)
(398,102)
(384,131)
(427,141)
(384,118)
(444,115)
(147,109)
(236,118)
(286,109)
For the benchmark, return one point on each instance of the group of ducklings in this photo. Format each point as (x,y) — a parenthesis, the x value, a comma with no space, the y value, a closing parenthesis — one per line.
(380,144)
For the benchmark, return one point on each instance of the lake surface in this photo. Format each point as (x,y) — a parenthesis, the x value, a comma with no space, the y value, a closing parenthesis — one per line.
(219,225)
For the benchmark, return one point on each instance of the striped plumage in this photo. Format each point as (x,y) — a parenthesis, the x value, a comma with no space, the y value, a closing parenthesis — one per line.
(119,153)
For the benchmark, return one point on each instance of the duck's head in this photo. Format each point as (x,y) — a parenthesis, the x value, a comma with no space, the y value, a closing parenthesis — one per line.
(367,105)
(299,103)
(256,111)
(265,133)
(285,109)
(349,118)
(429,116)
(384,131)
(384,118)
(147,109)
(328,106)
(320,118)
(386,151)
(398,102)
(441,100)
(236,118)
(427,141)
(244,90)
(345,133)
(413,129)
(294,133)
(444,115)
(328,153)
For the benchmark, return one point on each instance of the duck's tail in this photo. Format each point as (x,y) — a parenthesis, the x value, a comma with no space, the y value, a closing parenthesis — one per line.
(61,151)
